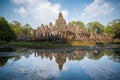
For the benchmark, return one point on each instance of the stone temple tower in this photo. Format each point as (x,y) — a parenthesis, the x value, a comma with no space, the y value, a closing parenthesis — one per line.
(60,15)
(60,23)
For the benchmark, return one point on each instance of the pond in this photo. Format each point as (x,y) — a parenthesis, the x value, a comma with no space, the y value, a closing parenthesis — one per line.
(77,63)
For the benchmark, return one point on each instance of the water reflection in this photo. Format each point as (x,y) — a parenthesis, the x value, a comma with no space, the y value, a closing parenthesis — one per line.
(46,63)
(60,57)
(3,60)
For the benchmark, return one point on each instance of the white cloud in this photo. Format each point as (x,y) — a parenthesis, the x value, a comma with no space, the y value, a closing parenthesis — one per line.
(21,11)
(41,11)
(96,10)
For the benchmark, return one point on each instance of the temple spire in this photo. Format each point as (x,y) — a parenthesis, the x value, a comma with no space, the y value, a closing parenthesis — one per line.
(60,16)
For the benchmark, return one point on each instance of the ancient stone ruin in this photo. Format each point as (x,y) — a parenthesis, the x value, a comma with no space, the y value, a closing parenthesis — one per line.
(61,31)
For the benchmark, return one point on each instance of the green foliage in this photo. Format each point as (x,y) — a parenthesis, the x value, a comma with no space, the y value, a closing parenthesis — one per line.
(109,30)
(95,27)
(5,31)
(9,31)
(27,28)
(16,27)
(117,34)
(19,29)
(80,23)
(113,28)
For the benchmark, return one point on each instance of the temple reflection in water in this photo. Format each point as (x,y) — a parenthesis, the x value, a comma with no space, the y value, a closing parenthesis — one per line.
(60,57)
(63,55)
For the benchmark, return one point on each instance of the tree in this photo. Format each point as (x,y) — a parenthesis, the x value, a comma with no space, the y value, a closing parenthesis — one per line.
(5,31)
(113,28)
(95,27)
(109,30)
(81,24)
(16,24)
(20,29)
(16,27)
(27,28)
(78,25)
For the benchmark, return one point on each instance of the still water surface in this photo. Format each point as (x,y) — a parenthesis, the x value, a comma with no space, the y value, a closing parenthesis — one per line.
(60,64)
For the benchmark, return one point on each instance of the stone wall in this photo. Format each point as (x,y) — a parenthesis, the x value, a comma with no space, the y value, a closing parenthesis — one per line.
(62,32)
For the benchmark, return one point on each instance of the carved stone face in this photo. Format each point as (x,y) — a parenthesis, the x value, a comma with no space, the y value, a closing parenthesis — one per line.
(60,23)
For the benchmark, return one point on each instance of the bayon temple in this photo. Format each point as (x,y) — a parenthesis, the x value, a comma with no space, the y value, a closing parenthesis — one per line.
(61,31)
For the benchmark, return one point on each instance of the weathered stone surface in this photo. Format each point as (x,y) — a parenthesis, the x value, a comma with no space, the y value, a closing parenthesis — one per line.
(51,26)
(60,23)
(71,27)
(61,31)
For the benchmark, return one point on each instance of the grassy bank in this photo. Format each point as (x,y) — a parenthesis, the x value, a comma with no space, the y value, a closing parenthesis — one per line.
(49,44)
(2,42)
(38,45)
(53,45)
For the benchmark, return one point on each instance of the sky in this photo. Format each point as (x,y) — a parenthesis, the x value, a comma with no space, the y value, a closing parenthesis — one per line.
(37,12)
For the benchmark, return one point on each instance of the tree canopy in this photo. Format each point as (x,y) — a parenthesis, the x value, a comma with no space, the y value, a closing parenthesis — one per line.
(96,27)
(20,29)
(80,23)
(113,28)
(6,33)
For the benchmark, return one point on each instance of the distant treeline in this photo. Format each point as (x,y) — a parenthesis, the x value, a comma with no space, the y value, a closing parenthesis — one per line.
(9,31)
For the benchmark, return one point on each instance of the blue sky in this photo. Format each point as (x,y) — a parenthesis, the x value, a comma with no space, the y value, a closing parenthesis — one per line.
(37,12)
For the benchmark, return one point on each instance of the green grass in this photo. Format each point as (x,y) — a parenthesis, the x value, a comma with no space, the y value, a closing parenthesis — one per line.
(81,43)
(2,42)
(38,45)
(48,44)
